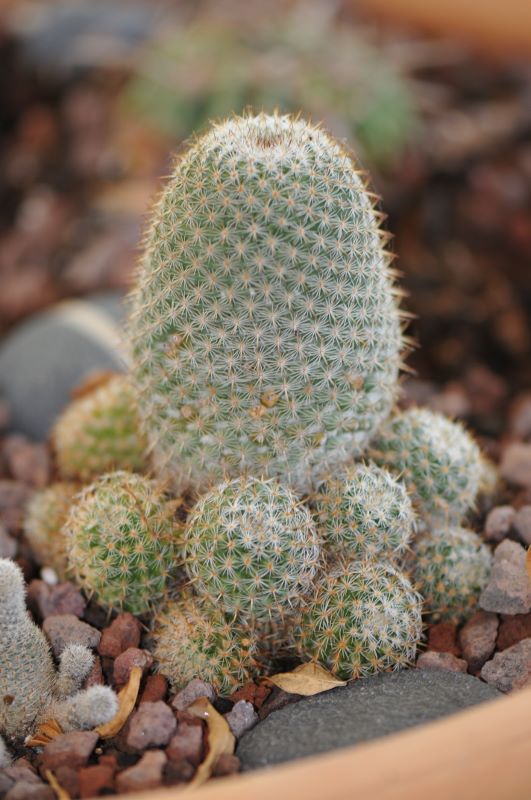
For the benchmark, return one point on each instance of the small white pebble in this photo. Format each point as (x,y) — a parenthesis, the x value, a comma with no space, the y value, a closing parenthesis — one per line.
(49,576)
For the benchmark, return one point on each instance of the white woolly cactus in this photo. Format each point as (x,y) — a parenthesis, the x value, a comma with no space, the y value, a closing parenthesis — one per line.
(365,617)
(366,513)
(193,640)
(251,548)
(45,517)
(451,568)
(100,432)
(31,690)
(437,459)
(265,326)
(121,537)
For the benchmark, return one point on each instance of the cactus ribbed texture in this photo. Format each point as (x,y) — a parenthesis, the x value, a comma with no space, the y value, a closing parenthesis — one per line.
(364,618)
(99,433)
(5,758)
(45,517)
(364,514)
(265,327)
(437,459)
(452,567)
(251,548)
(193,640)
(121,537)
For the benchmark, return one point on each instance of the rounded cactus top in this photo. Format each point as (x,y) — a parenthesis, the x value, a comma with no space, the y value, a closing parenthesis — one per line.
(12,593)
(251,547)
(265,329)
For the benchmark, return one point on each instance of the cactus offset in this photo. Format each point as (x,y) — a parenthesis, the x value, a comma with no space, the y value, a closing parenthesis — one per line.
(99,432)
(364,618)
(121,537)
(438,461)
(364,514)
(265,327)
(45,517)
(192,640)
(451,568)
(251,548)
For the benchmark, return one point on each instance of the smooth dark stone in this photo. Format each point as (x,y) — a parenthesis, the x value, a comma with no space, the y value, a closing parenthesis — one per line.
(363,710)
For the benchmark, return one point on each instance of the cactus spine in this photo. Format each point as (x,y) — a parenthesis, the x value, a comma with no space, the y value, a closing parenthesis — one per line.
(45,517)
(265,326)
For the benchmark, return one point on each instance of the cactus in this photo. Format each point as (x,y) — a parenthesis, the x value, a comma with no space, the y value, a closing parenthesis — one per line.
(5,757)
(364,514)
(437,460)
(45,517)
(251,548)
(265,327)
(85,710)
(451,568)
(99,432)
(31,689)
(121,537)
(192,640)
(364,618)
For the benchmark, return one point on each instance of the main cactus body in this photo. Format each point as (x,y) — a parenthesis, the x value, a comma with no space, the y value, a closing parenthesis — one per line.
(365,617)
(438,461)
(121,537)
(364,514)
(251,547)
(451,568)
(265,327)
(45,517)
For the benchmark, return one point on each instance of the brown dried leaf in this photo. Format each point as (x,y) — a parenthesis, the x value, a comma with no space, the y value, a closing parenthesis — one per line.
(45,733)
(127,698)
(528,562)
(220,739)
(60,793)
(307,679)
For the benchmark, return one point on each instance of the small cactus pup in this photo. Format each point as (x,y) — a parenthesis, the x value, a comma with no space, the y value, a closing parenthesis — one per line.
(192,640)
(251,548)
(31,690)
(45,517)
(265,328)
(366,513)
(451,568)
(365,617)
(100,432)
(121,537)
(437,459)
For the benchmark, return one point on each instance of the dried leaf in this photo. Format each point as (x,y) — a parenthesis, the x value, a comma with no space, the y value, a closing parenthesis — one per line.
(127,698)
(307,679)
(60,793)
(45,733)
(528,562)
(220,739)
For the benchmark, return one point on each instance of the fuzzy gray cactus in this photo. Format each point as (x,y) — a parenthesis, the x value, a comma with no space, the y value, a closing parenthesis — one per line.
(31,689)
(265,326)
(437,459)
(366,513)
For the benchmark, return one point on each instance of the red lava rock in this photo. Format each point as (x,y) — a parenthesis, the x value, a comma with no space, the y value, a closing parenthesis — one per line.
(147,774)
(68,779)
(519,416)
(22,770)
(176,772)
(109,760)
(151,726)
(277,700)
(8,545)
(478,639)
(241,718)
(124,632)
(95,676)
(63,629)
(432,659)
(498,523)
(195,689)
(515,465)
(227,764)
(509,588)
(14,497)
(27,461)
(63,598)
(255,693)
(30,791)
(94,779)
(442,637)
(522,524)
(155,689)
(69,750)
(510,669)
(5,783)
(513,629)
(187,744)
(132,657)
